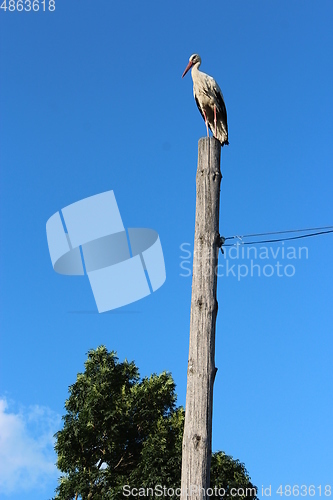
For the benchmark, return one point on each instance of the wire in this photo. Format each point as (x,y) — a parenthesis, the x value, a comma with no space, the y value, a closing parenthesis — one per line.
(279,239)
(280,232)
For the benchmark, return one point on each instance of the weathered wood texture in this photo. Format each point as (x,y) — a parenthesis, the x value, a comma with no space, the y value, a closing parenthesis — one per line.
(197,439)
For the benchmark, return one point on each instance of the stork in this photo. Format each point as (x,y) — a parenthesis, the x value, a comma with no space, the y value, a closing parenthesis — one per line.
(209,99)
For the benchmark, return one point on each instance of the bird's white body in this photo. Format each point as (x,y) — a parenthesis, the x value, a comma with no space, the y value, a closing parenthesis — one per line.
(204,88)
(209,99)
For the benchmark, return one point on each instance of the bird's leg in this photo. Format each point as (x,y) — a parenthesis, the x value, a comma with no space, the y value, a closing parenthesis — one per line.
(206,122)
(215,119)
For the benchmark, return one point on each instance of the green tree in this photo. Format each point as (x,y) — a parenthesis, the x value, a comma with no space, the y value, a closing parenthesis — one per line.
(119,430)
(231,477)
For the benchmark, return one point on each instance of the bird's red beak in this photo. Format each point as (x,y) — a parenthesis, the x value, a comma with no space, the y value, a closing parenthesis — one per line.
(189,66)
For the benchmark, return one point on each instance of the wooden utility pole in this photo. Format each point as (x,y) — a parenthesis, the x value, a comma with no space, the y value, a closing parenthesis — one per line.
(197,439)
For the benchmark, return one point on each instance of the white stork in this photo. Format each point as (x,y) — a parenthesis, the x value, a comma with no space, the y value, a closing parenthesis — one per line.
(209,99)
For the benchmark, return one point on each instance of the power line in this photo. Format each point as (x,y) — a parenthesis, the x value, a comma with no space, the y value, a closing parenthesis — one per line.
(278,239)
(279,232)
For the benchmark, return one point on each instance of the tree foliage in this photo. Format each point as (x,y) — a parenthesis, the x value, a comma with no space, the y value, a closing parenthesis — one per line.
(119,430)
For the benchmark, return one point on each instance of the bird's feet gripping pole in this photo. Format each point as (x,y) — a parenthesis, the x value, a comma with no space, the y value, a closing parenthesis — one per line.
(215,120)
(206,123)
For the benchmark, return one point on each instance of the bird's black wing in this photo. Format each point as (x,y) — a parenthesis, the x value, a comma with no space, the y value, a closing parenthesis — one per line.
(220,102)
(199,107)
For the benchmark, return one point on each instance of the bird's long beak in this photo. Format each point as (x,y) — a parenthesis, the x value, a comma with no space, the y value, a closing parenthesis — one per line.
(189,66)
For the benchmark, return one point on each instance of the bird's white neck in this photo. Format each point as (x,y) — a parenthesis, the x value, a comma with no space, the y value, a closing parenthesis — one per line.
(195,68)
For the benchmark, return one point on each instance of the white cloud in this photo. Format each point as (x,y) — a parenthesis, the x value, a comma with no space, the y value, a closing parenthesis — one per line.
(27,458)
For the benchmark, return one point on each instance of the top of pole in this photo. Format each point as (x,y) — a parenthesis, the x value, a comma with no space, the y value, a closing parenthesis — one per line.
(209,155)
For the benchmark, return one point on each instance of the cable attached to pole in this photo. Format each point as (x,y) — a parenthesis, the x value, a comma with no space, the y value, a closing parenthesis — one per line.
(319,231)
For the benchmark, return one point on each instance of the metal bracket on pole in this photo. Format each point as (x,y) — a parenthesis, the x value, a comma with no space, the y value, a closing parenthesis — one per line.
(221,243)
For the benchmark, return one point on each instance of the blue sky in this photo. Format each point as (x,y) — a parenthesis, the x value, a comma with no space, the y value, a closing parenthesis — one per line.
(91,100)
